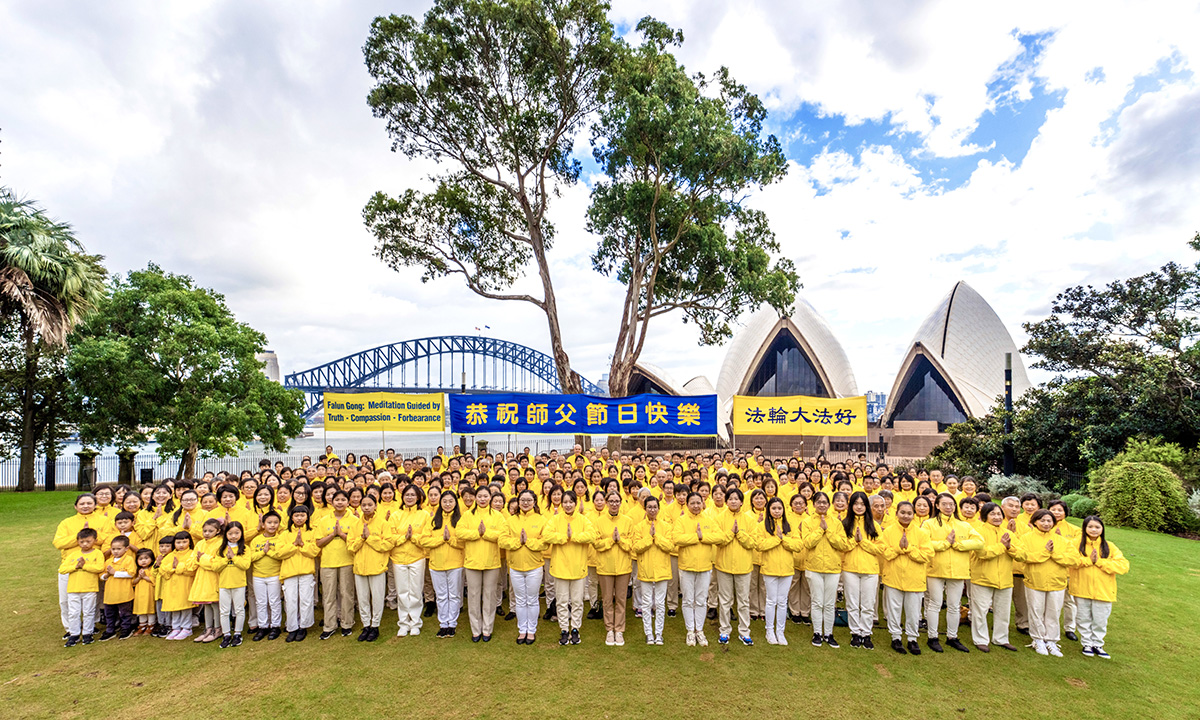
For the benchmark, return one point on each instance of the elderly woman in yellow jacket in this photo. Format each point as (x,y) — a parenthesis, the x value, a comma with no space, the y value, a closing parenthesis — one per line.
(614,563)
(953,541)
(696,532)
(733,564)
(861,549)
(371,540)
(522,541)
(480,532)
(1048,558)
(992,579)
(823,567)
(1093,582)
(906,550)
(778,539)
(569,534)
(408,559)
(653,545)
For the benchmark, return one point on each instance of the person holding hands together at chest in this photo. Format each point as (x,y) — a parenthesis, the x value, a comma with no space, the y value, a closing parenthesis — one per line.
(1048,559)
(614,564)
(1094,584)
(861,549)
(569,535)
(408,559)
(371,540)
(907,550)
(823,567)
(653,545)
(523,542)
(446,561)
(992,579)
(778,539)
(734,563)
(337,566)
(480,531)
(297,572)
(953,541)
(696,532)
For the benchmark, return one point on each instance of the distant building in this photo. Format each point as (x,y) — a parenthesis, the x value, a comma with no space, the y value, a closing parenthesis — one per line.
(272,364)
(876,401)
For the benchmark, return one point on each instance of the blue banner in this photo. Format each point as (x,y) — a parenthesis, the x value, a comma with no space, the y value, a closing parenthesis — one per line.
(583,414)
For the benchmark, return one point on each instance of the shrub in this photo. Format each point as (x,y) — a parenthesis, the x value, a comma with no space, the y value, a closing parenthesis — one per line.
(1194,502)
(1182,462)
(1147,496)
(1001,486)
(1081,505)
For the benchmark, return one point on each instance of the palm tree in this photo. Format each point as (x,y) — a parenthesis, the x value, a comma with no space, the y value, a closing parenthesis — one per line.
(48,284)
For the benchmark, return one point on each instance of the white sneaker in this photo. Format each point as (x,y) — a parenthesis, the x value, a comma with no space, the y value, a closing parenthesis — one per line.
(700,639)
(771,638)
(1053,649)
(649,639)
(619,639)
(1039,647)
(608,639)
(780,639)
(691,639)
(658,640)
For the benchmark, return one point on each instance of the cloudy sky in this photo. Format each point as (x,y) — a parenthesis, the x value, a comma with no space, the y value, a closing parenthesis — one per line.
(1021,146)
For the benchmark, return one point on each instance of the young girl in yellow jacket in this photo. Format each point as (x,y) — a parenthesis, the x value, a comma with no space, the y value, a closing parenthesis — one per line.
(734,564)
(231,561)
(614,564)
(522,541)
(907,550)
(823,567)
(371,540)
(1048,558)
(861,549)
(297,554)
(778,540)
(480,532)
(569,535)
(205,590)
(992,579)
(1094,584)
(953,541)
(696,532)
(265,561)
(176,571)
(445,561)
(653,546)
(143,591)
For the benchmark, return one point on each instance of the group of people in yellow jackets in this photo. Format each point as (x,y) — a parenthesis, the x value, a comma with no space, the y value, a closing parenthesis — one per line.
(728,540)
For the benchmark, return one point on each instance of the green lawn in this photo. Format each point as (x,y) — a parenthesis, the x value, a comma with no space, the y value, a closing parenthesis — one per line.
(1154,639)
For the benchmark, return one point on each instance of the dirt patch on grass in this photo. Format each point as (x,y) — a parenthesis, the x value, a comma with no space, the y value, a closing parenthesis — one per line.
(883,672)
(1077,683)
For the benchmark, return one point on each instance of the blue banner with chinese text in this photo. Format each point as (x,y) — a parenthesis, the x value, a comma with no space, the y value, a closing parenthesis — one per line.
(570,414)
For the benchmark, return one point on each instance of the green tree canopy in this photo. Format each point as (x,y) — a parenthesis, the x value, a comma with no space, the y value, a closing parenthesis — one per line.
(166,357)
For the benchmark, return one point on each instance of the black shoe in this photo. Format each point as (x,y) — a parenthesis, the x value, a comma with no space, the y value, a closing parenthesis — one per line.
(1072,636)
(794,618)
(595,613)
(806,620)
(575,637)
(957,645)
(441,632)
(868,642)
(510,616)
(237,640)
(126,633)
(564,638)
(855,641)
(934,645)
(327,634)
(107,635)
(430,608)
(486,638)
(500,612)
(274,633)
(712,613)
(476,638)
(831,642)
(451,632)
(160,631)
(922,626)
(670,613)
(374,635)
(303,633)
(291,636)
(551,610)
(226,640)
(347,632)
(362,636)
(1023,631)
(520,641)
(898,646)
(86,640)
(817,640)
(67,635)
(914,648)
(72,641)
(259,634)
(529,640)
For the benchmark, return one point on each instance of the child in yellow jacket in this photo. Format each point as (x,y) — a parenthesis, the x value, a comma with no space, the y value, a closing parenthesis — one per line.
(144,581)
(265,562)
(83,567)
(118,589)
(205,589)
(230,562)
(1093,582)
(177,570)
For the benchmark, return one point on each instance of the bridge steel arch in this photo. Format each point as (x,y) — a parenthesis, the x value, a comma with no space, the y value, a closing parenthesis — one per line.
(368,368)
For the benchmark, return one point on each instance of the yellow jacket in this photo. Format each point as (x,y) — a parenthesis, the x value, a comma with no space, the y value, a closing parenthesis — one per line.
(118,588)
(952,562)
(481,552)
(613,558)
(205,582)
(992,564)
(736,555)
(778,553)
(797,522)
(524,558)
(86,578)
(444,553)
(66,535)
(406,551)
(167,525)
(858,556)
(265,556)
(297,560)
(176,571)
(1047,570)
(568,557)
(230,573)
(653,552)
(335,553)
(371,554)
(143,592)
(905,567)
(1097,580)
(696,548)
(822,557)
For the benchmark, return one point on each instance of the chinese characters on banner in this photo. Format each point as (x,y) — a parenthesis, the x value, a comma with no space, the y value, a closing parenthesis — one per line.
(800,415)
(385,411)
(570,414)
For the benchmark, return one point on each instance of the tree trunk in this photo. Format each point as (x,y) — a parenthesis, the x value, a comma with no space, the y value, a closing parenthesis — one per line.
(25,476)
(568,379)
(620,373)
(187,463)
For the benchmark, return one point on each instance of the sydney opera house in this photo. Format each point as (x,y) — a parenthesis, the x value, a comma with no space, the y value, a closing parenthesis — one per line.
(953,369)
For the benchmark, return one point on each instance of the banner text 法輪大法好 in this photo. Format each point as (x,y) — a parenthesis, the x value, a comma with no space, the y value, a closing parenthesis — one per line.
(800,415)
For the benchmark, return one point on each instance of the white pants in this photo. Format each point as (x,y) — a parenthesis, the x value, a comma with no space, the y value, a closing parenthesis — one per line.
(371,591)
(654,599)
(268,596)
(1044,608)
(775,603)
(298,601)
(1092,616)
(81,612)
(447,589)
(999,602)
(62,601)
(524,598)
(181,619)
(673,585)
(694,587)
(952,590)
(410,582)
(570,610)
(823,587)
(637,587)
(862,590)
(907,604)
(732,588)
(232,601)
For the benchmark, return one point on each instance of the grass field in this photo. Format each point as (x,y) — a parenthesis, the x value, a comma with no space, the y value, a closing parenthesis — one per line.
(1154,637)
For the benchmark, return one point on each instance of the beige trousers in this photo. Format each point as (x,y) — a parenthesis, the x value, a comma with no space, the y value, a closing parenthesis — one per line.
(612,592)
(337,594)
(481,600)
